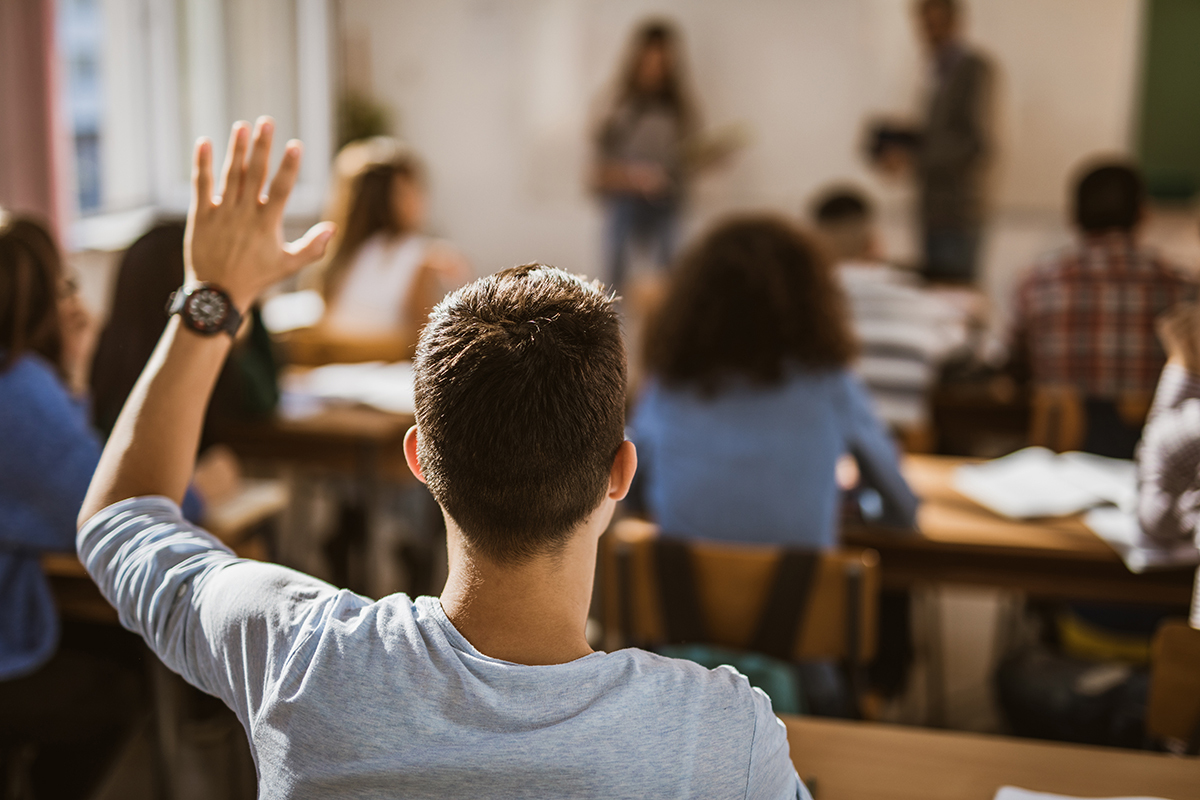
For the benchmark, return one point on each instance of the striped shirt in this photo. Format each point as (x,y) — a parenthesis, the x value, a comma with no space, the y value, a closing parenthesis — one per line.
(1086,314)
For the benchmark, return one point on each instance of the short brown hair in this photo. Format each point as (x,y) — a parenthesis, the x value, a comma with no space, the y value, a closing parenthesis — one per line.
(520,399)
(754,296)
(30,270)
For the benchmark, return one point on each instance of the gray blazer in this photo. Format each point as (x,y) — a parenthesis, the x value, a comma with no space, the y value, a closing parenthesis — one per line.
(955,144)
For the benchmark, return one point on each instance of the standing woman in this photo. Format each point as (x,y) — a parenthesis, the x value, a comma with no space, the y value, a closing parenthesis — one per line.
(640,169)
(385,274)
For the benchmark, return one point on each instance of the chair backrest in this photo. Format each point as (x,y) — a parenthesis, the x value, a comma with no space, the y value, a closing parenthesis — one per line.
(1057,420)
(823,598)
(1059,416)
(1173,708)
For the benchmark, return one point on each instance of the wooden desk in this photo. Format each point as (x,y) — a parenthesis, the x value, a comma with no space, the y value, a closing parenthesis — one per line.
(961,542)
(359,442)
(349,439)
(868,761)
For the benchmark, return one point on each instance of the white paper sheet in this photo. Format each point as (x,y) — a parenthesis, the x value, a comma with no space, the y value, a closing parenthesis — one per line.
(1140,553)
(1035,482)
(1013,793)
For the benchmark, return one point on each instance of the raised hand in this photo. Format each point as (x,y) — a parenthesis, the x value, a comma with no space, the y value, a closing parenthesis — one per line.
(235,238)
(1179,332)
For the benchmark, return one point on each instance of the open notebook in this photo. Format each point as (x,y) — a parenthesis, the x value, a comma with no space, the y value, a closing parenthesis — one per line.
(1036,483)
(1013,793)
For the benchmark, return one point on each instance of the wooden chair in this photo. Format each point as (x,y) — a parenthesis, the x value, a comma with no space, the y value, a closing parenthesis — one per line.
(1173,708)
(826,610)
(1059,418)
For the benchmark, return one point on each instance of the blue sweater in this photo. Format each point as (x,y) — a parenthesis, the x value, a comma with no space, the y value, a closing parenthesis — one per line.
(757,464)
(48,452)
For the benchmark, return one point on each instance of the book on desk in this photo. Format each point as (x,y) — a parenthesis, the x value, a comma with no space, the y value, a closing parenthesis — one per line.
(1037,483)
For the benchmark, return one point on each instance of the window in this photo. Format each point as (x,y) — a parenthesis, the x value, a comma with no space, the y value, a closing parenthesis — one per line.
(142,79)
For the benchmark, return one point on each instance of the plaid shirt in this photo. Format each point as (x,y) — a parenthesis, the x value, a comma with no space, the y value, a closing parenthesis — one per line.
(1085,316)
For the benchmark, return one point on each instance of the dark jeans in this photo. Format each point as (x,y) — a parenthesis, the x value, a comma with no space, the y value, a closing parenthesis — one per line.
(636,220)
(951,253)
(74,713)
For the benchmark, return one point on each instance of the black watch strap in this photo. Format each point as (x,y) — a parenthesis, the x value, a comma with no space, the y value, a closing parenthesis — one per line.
(206,309)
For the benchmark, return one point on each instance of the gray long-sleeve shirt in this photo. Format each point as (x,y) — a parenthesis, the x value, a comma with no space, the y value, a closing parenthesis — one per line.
(344,697)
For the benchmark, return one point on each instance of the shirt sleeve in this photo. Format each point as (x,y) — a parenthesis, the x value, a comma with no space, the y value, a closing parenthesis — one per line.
(772,774)
(878,461)
(229,626)
(1168,459)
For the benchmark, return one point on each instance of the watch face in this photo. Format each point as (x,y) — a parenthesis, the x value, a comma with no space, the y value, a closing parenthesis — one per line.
(206,309)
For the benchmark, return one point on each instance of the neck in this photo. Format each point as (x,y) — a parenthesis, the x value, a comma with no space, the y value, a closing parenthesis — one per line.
(531,613)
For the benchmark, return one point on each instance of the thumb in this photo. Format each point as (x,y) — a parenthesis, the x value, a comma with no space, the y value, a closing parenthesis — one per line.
(311,246)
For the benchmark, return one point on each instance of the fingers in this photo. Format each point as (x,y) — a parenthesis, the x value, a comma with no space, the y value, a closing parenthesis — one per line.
(285,177)
(233,173)
(260,154)
(310,247)
(202,180)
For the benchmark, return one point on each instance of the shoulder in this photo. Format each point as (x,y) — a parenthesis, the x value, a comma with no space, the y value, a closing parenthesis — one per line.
(31,389)
(805,382)
(1050,267)
(1165,270)
(684,683)
(975,63)
(31,374)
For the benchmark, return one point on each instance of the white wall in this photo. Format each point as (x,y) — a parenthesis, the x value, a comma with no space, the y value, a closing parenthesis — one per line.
(496,95)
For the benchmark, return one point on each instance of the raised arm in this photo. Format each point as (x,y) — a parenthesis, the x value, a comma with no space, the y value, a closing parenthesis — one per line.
(235,241)
(1169,453)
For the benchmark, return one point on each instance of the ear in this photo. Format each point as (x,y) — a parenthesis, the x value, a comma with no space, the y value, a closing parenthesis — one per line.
(623,468)
(410,453)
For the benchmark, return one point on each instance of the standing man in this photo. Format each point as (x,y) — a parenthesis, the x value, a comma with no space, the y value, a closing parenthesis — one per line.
(953,148)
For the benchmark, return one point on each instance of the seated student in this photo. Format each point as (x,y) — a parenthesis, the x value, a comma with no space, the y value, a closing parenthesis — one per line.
(384,274)
(1084,316)
(1169,453)
(751,402)
(905,332)
(151,269)
(491,689)
(66,691)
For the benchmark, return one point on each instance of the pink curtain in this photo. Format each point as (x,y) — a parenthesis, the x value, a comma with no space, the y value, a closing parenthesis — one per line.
(29,140)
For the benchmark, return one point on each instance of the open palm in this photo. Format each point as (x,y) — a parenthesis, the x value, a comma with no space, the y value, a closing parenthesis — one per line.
(235,237)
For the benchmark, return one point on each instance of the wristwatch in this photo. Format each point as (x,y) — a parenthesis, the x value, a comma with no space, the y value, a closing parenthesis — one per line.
(205,308)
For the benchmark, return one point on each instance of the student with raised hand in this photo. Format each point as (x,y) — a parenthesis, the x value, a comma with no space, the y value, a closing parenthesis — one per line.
(491,689)
(751,402)
(1169,452)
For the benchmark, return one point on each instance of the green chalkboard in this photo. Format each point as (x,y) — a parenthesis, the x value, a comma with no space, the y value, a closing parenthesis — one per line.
(1169,128)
